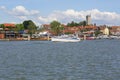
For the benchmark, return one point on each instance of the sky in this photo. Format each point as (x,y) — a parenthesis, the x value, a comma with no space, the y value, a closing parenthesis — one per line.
(103,12)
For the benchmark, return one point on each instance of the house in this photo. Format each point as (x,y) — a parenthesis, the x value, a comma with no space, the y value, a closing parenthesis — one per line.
(70,29)
(46,26)
(2,36)
(101,28)
(9,26)
(115,30)
(106,31)
(8,30)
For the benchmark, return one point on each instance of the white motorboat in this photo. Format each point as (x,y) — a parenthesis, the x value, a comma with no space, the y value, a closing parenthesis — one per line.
(65,38)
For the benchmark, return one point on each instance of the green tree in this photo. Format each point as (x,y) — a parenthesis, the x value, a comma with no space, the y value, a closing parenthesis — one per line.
(72,24)
(97,32)
(82,23)
(26,24)
(2,26)
(19,27)
(29,25)
(56,27)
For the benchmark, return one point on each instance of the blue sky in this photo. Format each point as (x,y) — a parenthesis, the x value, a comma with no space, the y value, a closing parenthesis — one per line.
(45,11)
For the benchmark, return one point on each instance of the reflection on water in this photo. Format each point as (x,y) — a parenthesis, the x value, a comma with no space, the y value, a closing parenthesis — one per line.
(45,60)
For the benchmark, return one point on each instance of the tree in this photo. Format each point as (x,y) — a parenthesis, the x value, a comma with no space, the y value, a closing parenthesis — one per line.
(56,27)
(19,27)
(29,25)
(97,32)
(2,26)
(72,24)
(26,24)
(82,23)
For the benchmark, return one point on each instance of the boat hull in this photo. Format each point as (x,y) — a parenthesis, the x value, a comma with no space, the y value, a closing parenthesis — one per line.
(64,40)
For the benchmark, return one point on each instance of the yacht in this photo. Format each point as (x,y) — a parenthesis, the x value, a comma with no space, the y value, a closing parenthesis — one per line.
(65,38)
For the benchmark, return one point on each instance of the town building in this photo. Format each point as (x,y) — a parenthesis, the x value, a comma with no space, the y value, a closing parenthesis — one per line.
(115,30)
(88,19)
(106,31)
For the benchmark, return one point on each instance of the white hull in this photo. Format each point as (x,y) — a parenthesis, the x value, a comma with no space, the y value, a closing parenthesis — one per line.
(65,40)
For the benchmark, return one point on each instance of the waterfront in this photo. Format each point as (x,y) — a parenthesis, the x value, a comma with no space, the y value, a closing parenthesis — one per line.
(46,60)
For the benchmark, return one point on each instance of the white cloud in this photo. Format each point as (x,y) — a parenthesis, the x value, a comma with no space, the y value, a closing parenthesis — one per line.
(72,15)
(22,17)
(2,7)
(99,17)
(22,13)
(19,11)
(46,19)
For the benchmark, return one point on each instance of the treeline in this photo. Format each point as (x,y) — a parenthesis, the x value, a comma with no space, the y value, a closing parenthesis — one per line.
(26,25)
(57,27)
(72,24)
(29,25)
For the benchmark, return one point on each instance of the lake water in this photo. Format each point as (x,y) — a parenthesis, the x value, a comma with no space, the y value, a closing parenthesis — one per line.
(46,60)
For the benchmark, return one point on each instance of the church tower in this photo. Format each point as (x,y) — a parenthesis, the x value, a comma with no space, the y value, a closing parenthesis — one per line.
(88,19)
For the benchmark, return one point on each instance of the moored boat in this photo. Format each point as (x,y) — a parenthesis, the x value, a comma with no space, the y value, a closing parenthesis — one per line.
(65,38)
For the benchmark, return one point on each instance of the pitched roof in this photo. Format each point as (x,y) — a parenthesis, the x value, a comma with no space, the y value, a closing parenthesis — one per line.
(9,25)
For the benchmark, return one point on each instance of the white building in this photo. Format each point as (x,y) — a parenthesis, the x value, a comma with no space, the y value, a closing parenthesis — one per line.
(106,31)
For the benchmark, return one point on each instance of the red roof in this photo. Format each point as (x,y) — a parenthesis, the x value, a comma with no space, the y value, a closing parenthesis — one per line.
(9,25)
